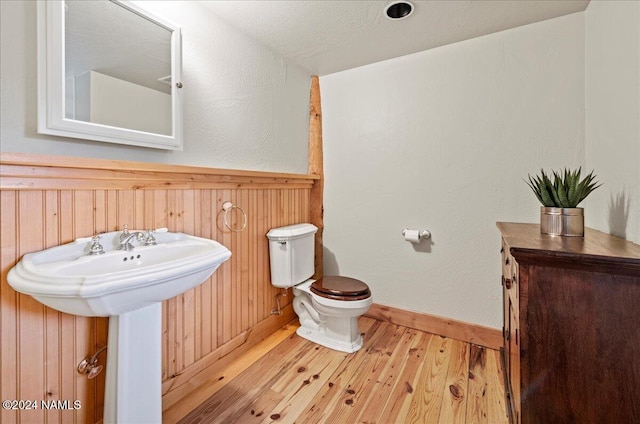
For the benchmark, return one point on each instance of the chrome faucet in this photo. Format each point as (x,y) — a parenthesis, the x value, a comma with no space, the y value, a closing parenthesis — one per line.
(126,238)
(126,242)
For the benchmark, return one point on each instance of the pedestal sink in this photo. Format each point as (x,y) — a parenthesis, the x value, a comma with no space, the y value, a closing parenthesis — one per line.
(98,278)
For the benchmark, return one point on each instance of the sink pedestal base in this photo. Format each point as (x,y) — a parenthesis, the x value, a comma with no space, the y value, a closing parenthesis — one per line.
(133,392)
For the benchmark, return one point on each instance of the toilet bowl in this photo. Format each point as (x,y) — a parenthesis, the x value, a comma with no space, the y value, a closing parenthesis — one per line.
(328,308)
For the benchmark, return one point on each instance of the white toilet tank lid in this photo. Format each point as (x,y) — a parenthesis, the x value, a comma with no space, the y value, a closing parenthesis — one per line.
(291,231)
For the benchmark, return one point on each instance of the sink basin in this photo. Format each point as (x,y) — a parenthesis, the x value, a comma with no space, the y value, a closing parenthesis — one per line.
(70,280)
(128,286)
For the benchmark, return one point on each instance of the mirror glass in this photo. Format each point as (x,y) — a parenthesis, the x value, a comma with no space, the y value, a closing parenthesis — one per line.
(117,67)
(111,73)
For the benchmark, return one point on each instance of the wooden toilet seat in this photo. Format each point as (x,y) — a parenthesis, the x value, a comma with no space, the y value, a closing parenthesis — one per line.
(340,288)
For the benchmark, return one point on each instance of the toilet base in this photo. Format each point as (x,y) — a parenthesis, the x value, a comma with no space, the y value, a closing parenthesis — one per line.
(321,338)
(327,322)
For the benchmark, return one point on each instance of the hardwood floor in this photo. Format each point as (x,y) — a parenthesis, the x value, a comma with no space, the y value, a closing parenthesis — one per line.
(401,375)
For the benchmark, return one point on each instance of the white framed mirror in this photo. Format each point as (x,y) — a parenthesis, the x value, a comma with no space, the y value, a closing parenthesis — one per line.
(109,71)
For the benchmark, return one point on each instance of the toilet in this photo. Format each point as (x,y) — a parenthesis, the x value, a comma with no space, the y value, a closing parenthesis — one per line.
(328,308)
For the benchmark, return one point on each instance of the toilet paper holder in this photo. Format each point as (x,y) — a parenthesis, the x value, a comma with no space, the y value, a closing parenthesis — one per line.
(422,234)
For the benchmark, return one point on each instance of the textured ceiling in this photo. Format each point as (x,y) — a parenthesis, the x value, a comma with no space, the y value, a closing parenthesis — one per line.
(331,36)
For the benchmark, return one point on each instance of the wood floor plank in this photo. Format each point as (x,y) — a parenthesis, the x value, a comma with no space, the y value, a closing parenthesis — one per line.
(303,383)
(427,400)
(399,400)
(401,375)
(454,396)
(243,390)
(372,376)
(348,393)
(322,405)
(477,392)
(379,388)
(496,404)
(295,384)
(206,383)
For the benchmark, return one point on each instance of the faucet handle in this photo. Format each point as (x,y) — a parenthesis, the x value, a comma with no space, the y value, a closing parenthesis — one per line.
(96,248)
(125,232)
(149,239)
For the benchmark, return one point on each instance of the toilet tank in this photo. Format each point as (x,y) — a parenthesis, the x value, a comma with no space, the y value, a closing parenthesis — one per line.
(291,251)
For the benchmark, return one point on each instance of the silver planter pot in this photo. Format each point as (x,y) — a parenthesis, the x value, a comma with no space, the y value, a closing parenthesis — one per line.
(562,221)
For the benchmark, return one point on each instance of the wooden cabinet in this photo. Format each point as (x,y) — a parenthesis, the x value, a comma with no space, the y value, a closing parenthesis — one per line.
(511,333)
(571,326)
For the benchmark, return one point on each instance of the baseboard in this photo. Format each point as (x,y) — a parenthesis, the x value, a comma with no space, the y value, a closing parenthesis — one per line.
(459,330)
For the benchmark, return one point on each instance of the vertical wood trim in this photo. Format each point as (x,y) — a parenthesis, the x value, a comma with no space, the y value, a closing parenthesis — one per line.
(316,167)
(31,358)
(53,341)
(8,300)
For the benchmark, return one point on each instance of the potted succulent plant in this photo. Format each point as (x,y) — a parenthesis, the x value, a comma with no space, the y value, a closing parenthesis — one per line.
(560,196)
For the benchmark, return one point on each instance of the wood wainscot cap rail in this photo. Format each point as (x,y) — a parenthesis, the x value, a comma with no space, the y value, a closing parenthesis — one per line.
(42,172)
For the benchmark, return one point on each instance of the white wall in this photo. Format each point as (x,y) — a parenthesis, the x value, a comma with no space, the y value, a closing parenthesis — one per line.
(613,116)
(442,140)
(245,106)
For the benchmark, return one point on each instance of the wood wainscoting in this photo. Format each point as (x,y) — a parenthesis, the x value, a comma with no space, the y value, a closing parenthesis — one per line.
(46,201)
